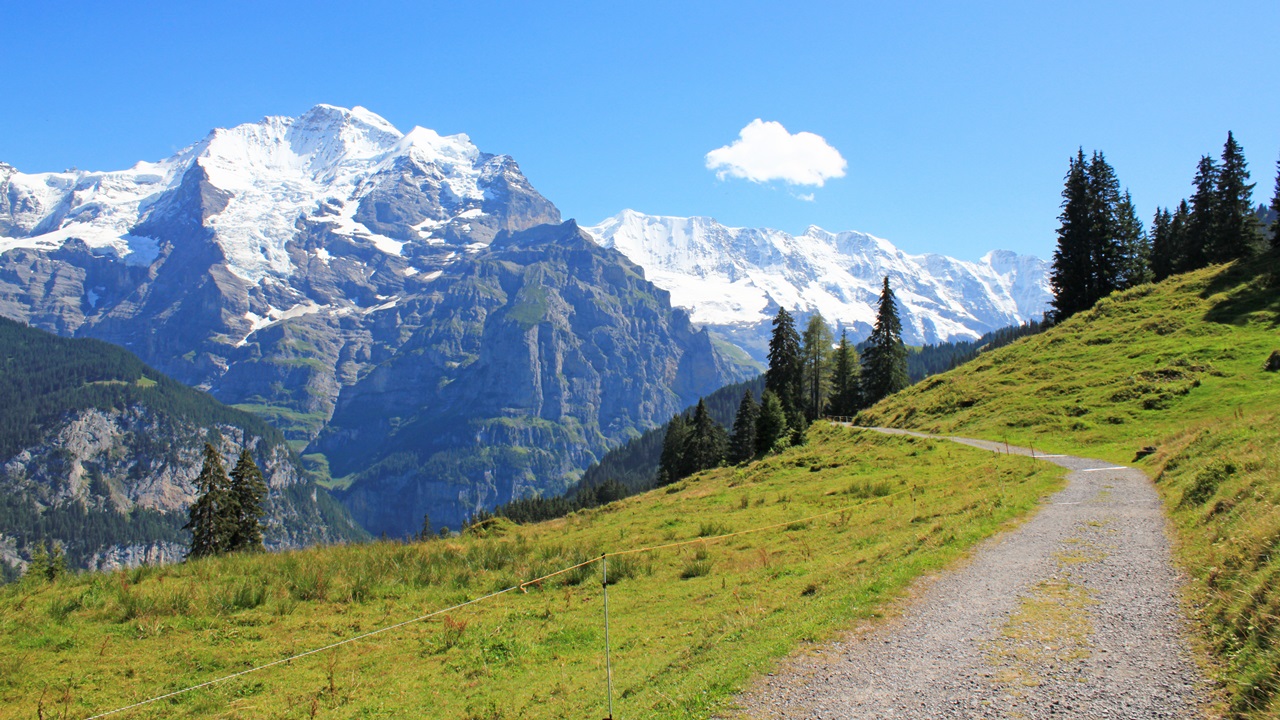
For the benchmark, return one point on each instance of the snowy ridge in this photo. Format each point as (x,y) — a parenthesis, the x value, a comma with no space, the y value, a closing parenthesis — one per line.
(317,167)
(728,276)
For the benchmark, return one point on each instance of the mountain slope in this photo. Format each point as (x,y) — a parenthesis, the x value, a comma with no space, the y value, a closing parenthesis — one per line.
(539,354)
(296,266)
(100,452)
(734,279)
(201,262)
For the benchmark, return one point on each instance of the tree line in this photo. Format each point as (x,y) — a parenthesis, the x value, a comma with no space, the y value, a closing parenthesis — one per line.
(1103,247)
(809,376)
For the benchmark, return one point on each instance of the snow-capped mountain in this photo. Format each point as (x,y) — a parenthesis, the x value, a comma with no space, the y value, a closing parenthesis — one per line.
(734,279)
(402,302)
(347,172)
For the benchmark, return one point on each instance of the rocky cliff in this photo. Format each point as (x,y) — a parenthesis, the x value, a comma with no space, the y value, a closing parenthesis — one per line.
(99,454)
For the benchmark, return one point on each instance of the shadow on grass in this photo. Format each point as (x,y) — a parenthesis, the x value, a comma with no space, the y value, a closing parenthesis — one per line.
(1253,285)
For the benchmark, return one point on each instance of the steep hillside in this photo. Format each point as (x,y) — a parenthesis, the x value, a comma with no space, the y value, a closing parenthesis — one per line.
(689,624)
(1179,368)
(99,452)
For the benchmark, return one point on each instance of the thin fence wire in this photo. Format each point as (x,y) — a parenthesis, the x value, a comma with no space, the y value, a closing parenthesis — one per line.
(523,587)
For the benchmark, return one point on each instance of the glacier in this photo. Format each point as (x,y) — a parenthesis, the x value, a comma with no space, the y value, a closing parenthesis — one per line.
(734,279)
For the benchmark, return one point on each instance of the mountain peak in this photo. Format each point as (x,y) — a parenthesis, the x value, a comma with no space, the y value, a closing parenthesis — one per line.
(732,278)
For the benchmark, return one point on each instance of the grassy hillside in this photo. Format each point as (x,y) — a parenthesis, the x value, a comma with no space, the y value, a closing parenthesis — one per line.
(1177,366)
(689,624)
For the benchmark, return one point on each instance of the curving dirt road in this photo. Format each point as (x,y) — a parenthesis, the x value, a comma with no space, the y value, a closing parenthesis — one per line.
(1074,614)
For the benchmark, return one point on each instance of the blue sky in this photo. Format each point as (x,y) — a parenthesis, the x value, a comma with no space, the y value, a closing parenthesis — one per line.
(954,120)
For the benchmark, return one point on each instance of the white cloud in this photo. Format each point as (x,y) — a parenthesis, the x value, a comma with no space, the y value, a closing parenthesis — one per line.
(765,151)
(807,197)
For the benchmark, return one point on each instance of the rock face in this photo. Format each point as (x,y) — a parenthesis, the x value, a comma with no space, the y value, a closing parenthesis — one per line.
(373,292)
(99,453)
(734,279)
(541,352)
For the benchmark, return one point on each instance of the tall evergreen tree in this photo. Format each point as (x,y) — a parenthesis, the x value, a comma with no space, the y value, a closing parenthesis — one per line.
(1163,253)
(1072,259)
(844,379)
(211,518)
(771,428)
(1202,222)
(884,363)
(1105,250)
(1275,209)
(248,491)
(816,357)
(671,463)
(742,444)
(707,442)
(1135,247)
(785,376)
(1180,238)
(1235,232)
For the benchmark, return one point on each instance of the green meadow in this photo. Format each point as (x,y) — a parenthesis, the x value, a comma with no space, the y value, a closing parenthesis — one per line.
(856,516)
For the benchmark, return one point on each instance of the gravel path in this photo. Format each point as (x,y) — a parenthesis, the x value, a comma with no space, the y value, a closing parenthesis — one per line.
(1074,614)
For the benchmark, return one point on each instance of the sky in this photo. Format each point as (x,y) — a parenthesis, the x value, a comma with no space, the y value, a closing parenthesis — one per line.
(944,127)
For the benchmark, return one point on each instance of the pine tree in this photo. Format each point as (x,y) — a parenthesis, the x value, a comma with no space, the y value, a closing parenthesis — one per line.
(816,357)
(671,463)
(1163,252)
(38,567)
(1235,232)
(771,428)
(844,380)
(705,447)
(785,375)
(248,492)
(1105,250)
(1180,238)
(884,364)
(1275,209)
(1135,247)
(1072,260)
(212,515)
(1202,222)
(742,444)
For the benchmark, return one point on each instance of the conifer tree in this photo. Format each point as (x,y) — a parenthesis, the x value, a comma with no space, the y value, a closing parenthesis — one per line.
(1275,209)
(785,374)
(1105,250)
(845,377)
(884,364)
(212,515)
(1180,238)
(1235,232)
(38,567)
(705,447)
(1072,259)
(248,492)
(1135,247)
(816,357)
(1202,221)
(771,428)
(742,444)
(671,463)
(1163,254)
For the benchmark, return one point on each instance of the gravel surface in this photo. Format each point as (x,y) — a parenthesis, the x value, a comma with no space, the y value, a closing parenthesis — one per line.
(1074,614)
